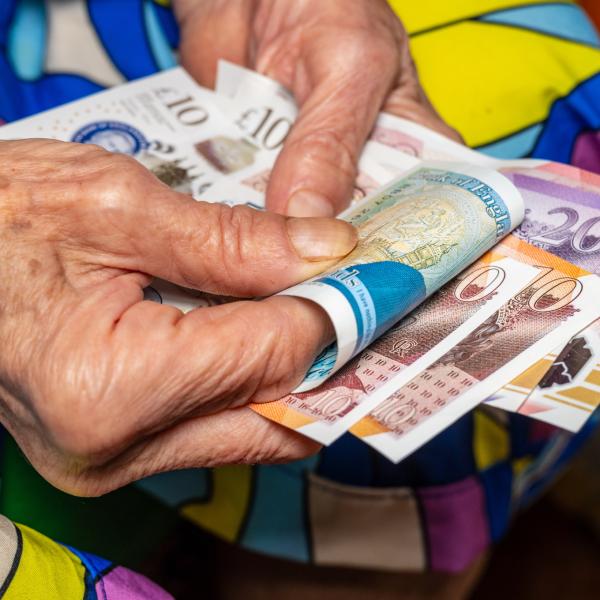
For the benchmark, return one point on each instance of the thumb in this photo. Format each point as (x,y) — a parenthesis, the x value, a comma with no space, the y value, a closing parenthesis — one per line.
(234,251)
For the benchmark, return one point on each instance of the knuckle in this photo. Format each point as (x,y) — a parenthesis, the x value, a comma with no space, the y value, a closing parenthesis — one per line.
(111,179)
(330,146)
(227,237)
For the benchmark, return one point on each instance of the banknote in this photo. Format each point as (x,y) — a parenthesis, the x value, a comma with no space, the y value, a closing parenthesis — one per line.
(167,122)
(561,300)
(411,345)
(565,174)
(265,111)
(569,391)
(562,219)
(562,216)
(420,142)
(251,188)
(262,108)
(510,396)
(415,234)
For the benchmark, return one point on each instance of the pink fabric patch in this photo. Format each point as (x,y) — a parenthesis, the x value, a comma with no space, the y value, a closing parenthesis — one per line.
(455,522)
(123,584)
(540,431)
(586,152)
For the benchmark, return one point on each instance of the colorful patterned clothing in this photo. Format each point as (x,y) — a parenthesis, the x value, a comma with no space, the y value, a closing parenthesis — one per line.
(516,78)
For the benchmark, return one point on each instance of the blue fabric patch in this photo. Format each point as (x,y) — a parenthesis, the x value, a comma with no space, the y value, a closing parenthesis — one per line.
(109,18)
(7,10)
(161,49)
(168,24)
(26,47)
(94,564)
(177,487)
(348,460)
(23,98)
(497,485)
(570,116)
(517,145)
(447,458)
(563,20)
(277,518)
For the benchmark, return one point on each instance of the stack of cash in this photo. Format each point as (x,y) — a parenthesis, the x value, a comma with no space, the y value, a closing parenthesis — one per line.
(474,280)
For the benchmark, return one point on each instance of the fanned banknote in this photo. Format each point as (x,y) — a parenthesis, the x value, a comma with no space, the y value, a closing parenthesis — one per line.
(167,122)
(561,300)
(562,216)
(406,349)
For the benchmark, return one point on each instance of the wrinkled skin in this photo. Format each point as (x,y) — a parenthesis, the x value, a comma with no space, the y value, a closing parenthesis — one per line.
(99,387)
(344,60)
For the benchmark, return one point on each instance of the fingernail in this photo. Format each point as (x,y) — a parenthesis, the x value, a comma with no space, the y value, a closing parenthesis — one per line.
(317,239)
(308,204)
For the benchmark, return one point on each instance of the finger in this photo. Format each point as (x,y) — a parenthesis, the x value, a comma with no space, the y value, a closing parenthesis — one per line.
(315,172)
(229,437)
(131,221)
(213,30)
(236,251)
(155,367)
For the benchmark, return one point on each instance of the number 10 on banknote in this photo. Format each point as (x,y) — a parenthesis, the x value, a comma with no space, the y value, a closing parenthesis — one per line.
(415,234)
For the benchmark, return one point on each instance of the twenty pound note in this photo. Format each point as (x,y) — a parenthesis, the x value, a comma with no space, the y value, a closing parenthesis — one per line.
(415,234)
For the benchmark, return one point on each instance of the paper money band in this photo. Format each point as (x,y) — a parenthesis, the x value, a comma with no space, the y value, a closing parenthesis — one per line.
(377,293)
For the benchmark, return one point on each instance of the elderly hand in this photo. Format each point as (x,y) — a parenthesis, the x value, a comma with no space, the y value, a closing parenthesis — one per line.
(99,387)
(344,60)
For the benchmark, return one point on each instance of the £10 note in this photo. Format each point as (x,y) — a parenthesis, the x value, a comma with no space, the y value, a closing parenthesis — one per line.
(561,300)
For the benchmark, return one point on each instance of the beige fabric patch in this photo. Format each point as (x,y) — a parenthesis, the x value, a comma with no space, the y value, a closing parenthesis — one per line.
(365,527)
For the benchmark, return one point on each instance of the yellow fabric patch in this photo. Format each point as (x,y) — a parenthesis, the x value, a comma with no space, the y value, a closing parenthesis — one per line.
(46,571)
(426,14)
(490,81)
(520,464)
(491,442)
(224,513)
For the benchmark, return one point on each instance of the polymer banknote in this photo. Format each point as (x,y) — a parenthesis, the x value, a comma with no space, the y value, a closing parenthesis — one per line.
(560,301)
(262,108)
(167,122)
(415,234)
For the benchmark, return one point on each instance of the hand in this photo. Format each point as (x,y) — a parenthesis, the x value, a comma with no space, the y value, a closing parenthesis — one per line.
(344,60)
(99,387)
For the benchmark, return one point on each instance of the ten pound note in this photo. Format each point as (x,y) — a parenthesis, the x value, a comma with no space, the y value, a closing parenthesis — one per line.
(561,300)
